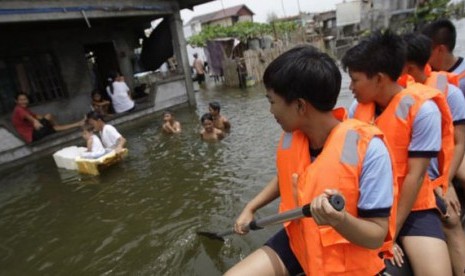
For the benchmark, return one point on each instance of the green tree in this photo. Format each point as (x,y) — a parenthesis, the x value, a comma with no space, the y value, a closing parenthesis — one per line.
(242,31)
(429,10)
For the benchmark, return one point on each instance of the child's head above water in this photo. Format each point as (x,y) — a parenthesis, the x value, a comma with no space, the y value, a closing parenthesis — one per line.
(87,131)
(214,107)
(207,121)
(167,115)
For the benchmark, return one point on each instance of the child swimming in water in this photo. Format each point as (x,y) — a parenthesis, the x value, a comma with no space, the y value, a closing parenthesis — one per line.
(209,132)
(219,121)
(170,125)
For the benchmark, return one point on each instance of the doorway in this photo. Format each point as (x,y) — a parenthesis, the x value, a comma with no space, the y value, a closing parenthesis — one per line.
(101,59)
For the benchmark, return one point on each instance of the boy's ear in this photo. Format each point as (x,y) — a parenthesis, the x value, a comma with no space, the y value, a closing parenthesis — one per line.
(442,48)
(300,104)
(381,77)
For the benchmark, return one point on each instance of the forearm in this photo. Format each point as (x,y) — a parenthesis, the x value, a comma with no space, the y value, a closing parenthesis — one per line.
(121,142)
(227,125)
(89,145)
(267,195)
(169,128)
(407,197)
(368,233)
(31,118)
(459,150)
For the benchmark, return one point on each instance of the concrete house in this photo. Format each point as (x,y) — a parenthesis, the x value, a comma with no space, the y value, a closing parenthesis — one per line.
(59,51)
(360,15)
(225,17)
(355,17)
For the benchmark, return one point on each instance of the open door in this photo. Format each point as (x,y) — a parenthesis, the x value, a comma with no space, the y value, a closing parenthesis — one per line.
(101,59)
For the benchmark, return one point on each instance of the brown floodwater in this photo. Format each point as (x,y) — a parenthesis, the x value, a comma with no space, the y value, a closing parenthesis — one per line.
(140,217)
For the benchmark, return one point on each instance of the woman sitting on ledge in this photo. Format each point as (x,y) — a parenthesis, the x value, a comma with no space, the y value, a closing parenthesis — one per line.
(33,127)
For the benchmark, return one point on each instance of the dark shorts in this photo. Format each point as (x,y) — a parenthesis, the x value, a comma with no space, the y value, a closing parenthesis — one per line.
(47,129)
(280,244)
(426,223)
(200,78)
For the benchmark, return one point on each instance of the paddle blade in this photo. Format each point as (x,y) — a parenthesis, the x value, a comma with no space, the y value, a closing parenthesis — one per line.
(210,235)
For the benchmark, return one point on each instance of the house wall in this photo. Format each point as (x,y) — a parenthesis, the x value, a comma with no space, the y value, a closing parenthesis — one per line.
(222,22)
(246,18)
(67,47)
(65,41)
(380,14)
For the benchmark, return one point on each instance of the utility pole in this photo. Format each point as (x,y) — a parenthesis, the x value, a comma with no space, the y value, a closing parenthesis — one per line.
(222,5)
(302,23)
(284,11)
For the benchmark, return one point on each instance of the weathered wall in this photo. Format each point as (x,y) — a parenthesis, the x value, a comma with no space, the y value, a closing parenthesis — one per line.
(67,47)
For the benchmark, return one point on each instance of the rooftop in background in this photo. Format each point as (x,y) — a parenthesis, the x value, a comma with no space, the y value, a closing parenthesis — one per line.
(220,14)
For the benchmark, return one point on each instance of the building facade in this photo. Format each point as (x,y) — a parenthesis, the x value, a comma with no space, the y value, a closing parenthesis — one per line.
(58,52)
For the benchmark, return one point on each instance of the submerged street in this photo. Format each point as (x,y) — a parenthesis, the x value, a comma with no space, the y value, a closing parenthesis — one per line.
(140,217)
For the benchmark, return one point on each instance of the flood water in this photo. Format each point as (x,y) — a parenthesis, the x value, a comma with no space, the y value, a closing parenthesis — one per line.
(140,217)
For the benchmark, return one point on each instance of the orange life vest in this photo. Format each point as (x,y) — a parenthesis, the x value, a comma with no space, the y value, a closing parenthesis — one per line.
(436,79)
(461,75)
(321,250)
(440,79)
(396,122)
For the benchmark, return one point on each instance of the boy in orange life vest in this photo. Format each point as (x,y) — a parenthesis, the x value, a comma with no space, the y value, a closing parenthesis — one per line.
(418,53)
(329,156)
(443,35)
(411,120)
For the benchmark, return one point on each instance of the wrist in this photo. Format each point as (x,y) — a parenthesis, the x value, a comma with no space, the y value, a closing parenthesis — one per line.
(341,221)
(250,208)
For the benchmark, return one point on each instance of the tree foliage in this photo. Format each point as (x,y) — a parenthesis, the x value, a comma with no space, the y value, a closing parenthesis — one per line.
(242,31)
(428,11)
(457,9)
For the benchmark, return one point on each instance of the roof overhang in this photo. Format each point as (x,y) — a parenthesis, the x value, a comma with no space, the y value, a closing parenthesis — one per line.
(33,11)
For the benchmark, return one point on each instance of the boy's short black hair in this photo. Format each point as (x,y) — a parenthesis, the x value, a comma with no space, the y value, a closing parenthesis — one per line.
(441,31)
(94,116)
(206,116)
(306,73)
(215,106)
(381,52)
(419,48)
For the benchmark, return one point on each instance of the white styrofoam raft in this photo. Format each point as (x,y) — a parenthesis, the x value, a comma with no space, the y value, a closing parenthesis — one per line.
(66,157)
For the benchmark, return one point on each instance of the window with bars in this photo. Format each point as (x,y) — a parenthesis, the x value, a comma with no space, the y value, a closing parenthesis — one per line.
(36,75)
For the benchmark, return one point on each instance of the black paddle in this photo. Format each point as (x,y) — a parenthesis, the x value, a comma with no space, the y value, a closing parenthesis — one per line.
(336,201)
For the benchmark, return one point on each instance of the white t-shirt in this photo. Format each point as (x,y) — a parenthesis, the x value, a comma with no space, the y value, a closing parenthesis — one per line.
(97,149)
(120,97)
(109,136)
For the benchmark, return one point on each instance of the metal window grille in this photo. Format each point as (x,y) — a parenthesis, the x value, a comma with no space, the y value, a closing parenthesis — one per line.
(36,75)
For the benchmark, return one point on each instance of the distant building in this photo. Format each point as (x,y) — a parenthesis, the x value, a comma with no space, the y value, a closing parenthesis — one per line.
(355,17)
(225,17)
(326,22)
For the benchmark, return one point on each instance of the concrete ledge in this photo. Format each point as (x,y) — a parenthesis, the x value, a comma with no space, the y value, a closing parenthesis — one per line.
(167,94)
